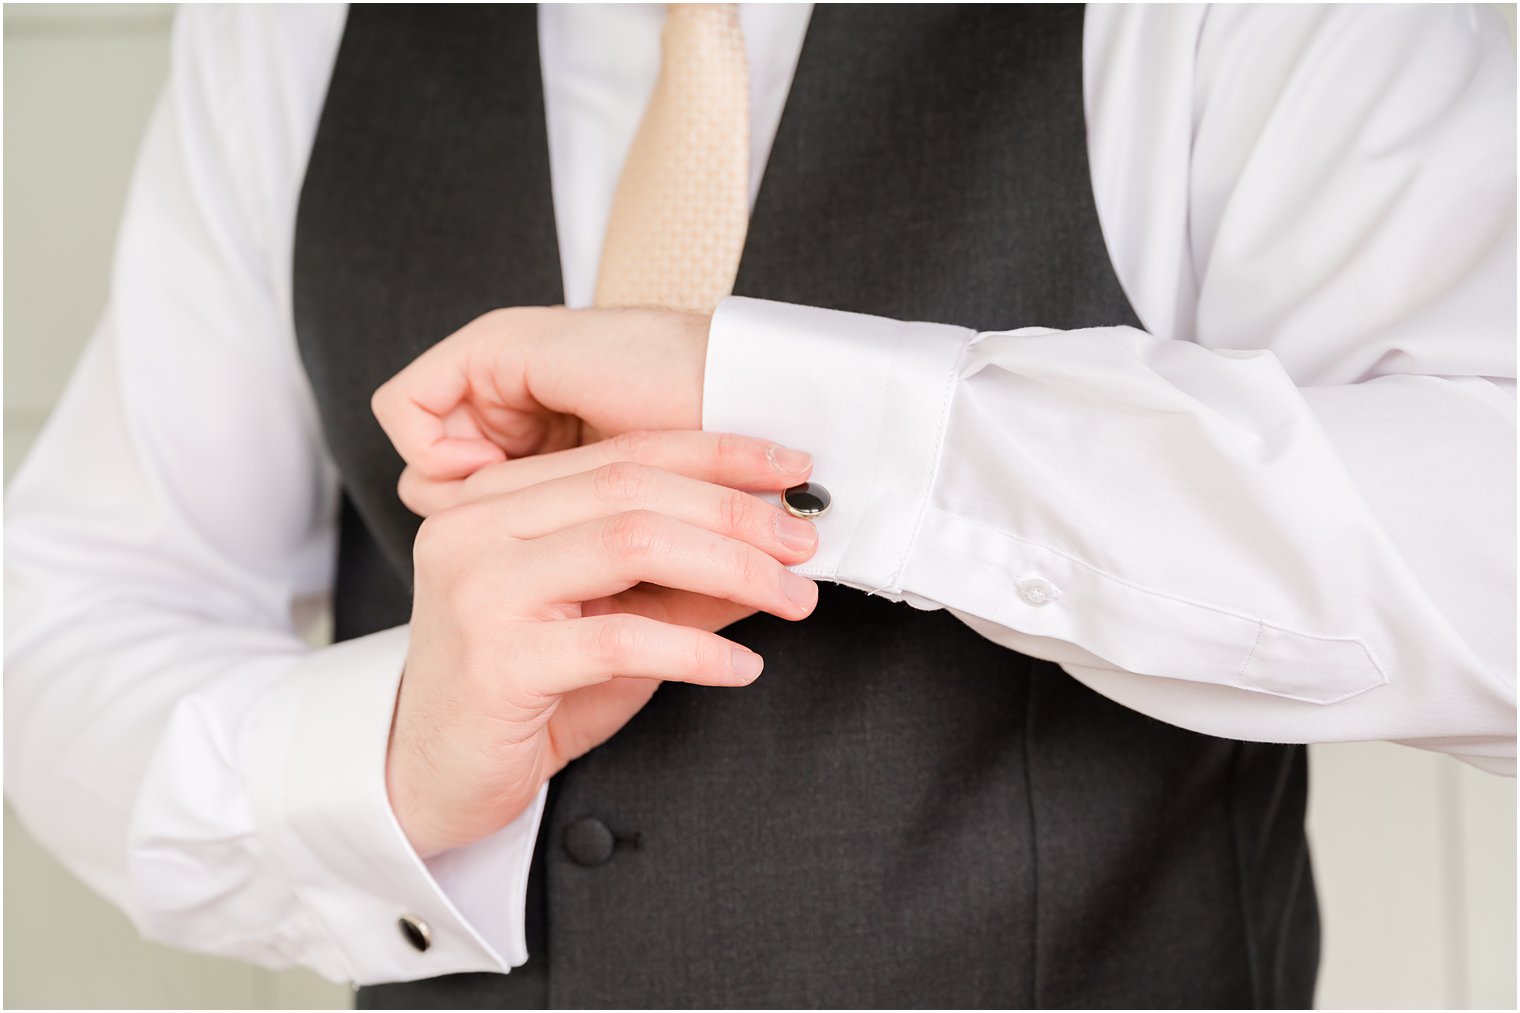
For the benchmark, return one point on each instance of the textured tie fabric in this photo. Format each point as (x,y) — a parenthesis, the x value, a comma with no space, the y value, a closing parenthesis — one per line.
(682,205)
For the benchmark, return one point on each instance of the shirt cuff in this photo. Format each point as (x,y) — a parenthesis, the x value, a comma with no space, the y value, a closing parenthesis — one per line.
(868,397)
(316,770)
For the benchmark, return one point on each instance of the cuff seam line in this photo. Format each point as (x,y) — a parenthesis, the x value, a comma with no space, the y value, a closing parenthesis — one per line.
(934,459)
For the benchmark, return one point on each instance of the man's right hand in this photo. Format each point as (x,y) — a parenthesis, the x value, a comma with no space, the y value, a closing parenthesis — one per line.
(554,594)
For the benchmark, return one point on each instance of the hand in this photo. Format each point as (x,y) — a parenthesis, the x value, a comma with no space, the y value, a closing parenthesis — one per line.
(535,636)
(529,380)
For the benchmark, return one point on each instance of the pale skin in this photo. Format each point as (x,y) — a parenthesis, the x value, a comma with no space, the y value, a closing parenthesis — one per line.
(560,580)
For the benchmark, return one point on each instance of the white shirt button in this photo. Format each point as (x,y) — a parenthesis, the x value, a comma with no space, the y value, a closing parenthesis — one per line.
(1038,591)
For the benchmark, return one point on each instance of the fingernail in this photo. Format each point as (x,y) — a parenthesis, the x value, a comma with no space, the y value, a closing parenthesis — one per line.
(802,592)
(796,534)
(747,664)
(792,462)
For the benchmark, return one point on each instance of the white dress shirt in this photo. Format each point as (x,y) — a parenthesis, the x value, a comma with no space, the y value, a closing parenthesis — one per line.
(1283,511)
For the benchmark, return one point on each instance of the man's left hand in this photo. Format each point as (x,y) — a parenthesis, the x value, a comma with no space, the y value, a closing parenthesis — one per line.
(530,380)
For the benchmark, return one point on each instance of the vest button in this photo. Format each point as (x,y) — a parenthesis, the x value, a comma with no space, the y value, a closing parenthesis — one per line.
(588,842)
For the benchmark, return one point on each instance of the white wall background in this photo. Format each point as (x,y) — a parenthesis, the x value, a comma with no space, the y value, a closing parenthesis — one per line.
(1415,853)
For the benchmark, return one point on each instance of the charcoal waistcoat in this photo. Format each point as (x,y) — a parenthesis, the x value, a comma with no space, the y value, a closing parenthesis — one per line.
(899,812)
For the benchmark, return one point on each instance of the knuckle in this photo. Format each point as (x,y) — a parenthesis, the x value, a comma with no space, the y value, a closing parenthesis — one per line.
(704,656)
(736,511)
(446,587)
(449,547)
(413,490)
(433,543)
(620,483)
(637,445)
(731,450)
(633,534)
(617,640)
(745,563)
(489,326)
(380,400)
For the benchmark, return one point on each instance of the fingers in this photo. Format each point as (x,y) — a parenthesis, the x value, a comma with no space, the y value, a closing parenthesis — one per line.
(617,488)
(609,555)
(454,407)
(739,462)
(668,605)
(416,408)
(584,652)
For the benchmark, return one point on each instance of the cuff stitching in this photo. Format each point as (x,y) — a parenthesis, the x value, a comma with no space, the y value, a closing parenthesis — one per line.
(934,459)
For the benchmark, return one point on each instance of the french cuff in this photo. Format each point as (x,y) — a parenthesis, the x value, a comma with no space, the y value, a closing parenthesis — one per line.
(868,397)
(316,770)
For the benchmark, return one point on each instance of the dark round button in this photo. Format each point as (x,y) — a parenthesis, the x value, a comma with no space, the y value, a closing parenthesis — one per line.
(416,932)
(588,842)
(806,500)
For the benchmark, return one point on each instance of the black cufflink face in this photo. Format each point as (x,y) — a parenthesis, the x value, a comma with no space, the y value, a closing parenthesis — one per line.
(807,500)
(415,931)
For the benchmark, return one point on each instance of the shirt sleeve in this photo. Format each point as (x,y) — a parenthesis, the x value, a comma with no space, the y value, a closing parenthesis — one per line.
(170,735)
(1286,512)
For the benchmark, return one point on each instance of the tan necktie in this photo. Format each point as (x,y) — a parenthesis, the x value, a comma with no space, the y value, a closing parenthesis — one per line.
(682,205)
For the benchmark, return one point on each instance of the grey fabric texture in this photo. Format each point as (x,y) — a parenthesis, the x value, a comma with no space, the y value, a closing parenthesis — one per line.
(899,813)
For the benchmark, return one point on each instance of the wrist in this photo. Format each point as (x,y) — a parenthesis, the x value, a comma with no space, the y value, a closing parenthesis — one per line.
(699,329)
(405,799)
(628,369)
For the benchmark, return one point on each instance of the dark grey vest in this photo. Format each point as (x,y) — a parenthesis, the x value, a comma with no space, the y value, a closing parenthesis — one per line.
(899,813)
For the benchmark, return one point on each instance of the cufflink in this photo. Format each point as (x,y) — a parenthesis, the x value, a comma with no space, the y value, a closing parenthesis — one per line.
(416,932)
(807,500)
